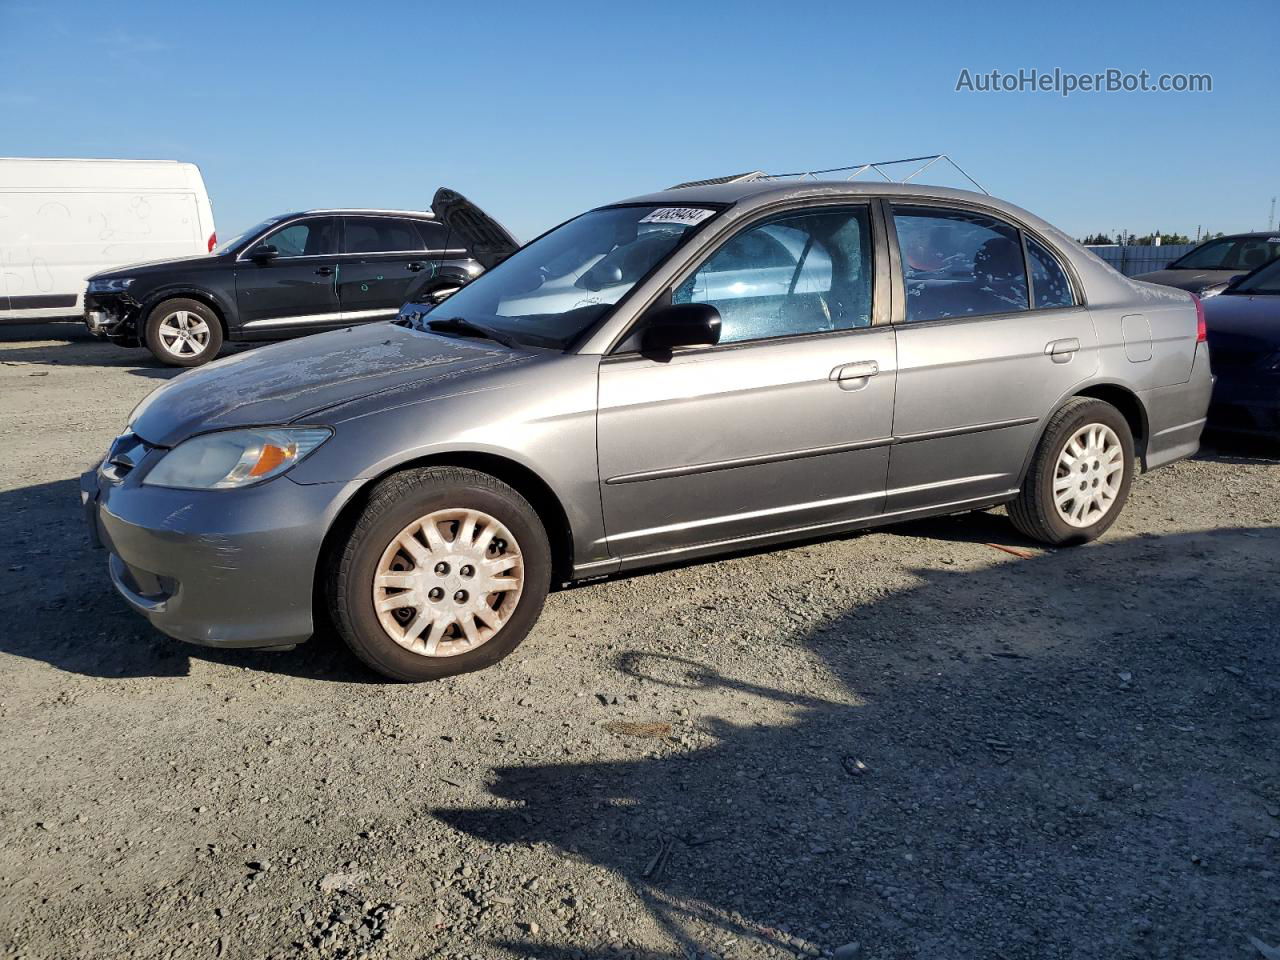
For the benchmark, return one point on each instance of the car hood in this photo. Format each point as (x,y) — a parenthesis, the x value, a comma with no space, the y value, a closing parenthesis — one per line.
(153,266)
(1191,280)
(300,379)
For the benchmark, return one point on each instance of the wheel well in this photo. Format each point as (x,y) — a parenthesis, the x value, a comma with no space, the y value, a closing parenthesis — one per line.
(1129,406)
(199,295)
(527,483)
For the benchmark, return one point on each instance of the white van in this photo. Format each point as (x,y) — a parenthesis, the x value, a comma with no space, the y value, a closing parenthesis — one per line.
(62,220)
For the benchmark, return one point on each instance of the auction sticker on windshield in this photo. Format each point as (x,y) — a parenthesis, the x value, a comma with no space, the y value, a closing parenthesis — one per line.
(685,216)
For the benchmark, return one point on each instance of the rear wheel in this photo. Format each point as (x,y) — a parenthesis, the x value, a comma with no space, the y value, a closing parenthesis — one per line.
(444,572)
(1079,479)
(183,333)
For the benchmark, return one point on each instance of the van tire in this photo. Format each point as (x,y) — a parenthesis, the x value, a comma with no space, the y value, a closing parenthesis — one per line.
(182,332)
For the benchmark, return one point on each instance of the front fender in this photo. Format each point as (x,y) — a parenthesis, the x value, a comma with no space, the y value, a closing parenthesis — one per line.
(543,420)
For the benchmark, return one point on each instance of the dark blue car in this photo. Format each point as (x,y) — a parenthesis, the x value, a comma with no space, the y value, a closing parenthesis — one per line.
(1244,349)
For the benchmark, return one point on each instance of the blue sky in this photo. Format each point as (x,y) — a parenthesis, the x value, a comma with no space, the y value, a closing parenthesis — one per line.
(537,111)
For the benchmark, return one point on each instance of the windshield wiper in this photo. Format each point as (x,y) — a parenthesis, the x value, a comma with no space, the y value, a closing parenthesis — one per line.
(469,329)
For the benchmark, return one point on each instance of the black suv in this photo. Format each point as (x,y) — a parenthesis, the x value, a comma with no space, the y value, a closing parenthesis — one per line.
(295,274)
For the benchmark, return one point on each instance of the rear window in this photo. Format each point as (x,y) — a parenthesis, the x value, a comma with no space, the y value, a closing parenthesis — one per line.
(436,236)
(379,235)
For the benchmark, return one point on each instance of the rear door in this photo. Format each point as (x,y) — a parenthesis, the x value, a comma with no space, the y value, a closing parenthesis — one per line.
(383,260)
(295,292)
(784,425)
(984,355)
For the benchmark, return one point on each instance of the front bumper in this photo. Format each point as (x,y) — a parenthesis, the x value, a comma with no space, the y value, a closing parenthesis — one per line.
(112,316)
(227,568)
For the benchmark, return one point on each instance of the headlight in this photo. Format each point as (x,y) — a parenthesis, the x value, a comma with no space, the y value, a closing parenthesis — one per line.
(235,458)
(110,286)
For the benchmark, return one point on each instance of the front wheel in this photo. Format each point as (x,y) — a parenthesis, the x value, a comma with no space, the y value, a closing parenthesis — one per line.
(183,333)
(444,572)
(1079,478)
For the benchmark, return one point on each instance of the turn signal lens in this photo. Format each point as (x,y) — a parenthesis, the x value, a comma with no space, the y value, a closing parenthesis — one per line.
(235,458)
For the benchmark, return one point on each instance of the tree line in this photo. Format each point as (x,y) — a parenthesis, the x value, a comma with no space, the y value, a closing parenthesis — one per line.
(1124,238)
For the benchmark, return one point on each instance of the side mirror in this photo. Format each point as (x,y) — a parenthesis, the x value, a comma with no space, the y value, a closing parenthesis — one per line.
(679,325)
(264,252)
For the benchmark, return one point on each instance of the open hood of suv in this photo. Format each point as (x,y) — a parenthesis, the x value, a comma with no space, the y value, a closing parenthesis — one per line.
(488,239)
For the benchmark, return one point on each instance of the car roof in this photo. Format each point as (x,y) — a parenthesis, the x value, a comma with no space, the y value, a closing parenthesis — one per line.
(753,193)
(420,214)
(1243,236)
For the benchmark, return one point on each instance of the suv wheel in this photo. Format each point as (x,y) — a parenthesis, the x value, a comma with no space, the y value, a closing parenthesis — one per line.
(183,333)
(1079,479)
(444,572)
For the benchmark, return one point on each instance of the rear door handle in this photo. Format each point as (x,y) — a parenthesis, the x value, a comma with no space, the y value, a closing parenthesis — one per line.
(854,376)
(415,266)
(325,271)
(1060,348)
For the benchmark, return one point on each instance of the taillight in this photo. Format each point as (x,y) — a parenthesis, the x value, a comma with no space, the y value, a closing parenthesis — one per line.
(1202,329)
(213,240)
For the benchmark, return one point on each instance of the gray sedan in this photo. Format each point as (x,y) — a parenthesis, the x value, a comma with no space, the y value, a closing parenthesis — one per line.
(681,375)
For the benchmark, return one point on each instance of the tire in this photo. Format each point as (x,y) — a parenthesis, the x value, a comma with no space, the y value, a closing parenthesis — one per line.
(1036,512)
(376,546)
(197,328)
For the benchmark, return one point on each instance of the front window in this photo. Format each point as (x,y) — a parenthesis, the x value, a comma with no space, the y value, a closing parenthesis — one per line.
(229,245)
(796,274)
(305,238)
(1265,282)
(553,290)
(1230,253)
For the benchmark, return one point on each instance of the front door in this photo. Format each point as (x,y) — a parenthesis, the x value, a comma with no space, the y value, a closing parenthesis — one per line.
(384,260)
(983,355)
(782,426)
(295,291)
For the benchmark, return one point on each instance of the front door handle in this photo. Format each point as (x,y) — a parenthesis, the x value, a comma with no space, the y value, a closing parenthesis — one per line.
(854,376)
(415,266)
(325,271)
(1061,351)
(856,371)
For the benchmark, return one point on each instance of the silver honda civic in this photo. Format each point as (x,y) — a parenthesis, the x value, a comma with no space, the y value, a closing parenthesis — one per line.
(681,375)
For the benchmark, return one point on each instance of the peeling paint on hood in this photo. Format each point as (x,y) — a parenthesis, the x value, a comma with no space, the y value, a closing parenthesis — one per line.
(299,379)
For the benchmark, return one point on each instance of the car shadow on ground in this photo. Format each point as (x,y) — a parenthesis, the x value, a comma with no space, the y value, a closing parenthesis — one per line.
(52,575)
(43,347)
(1024,763)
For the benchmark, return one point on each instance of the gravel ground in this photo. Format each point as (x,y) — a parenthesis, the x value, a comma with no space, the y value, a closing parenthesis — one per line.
(915,741)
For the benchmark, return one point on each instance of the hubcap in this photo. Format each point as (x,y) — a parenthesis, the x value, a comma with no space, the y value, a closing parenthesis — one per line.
(448,582)
(183,333)
(1090,470)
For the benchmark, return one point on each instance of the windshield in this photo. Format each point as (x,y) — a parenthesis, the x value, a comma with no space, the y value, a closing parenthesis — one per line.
(1230,253)
(1265,281)
(554,289)
(229,245)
